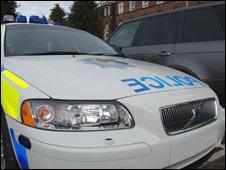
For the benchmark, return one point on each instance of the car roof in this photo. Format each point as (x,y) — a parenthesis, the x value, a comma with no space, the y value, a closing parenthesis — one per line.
(177,10)
(42,25)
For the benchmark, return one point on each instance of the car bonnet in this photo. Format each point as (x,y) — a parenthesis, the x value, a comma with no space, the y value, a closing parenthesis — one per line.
(97,77)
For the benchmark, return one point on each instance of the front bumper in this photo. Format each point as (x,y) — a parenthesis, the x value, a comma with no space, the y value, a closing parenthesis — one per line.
(144,146)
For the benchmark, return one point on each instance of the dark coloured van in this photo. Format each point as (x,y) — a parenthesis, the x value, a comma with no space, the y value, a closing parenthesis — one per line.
(191,40)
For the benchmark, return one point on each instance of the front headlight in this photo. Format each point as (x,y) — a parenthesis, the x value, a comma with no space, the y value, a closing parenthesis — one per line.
(75,116)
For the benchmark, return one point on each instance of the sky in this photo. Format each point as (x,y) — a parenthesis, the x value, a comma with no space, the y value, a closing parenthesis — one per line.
(40,8)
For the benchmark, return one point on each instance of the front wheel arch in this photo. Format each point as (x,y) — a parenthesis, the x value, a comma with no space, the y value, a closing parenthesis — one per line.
(185,70)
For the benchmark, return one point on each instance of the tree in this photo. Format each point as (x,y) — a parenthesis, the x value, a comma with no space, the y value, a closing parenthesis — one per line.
(84,15)
(8,8)
(58,15)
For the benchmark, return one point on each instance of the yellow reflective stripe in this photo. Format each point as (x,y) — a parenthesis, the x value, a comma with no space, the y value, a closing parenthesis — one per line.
(10,98)
(15,79)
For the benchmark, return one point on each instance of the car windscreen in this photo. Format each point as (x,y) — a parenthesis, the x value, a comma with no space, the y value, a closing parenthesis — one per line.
(22,40)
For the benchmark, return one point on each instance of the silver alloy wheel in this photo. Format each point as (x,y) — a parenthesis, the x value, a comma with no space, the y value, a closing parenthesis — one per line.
(2,154)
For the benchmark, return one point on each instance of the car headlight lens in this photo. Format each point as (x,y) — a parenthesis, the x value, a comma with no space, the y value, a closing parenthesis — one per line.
(45,113)
(75,116)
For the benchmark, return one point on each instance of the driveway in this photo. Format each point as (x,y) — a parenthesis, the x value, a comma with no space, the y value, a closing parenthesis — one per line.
(214,160)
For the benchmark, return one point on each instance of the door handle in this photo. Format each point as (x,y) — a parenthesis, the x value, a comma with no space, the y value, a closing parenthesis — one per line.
(164,54)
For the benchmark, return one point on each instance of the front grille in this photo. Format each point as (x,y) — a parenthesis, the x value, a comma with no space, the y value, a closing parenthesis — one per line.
(184,117)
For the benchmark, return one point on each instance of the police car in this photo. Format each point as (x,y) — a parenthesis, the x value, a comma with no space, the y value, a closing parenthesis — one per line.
(69,100)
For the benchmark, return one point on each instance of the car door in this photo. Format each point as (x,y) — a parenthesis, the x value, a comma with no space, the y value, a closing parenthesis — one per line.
(155,38)
(200,50)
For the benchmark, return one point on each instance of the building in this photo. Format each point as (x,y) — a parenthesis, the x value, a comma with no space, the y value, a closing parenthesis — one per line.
(113,13)
(108,17)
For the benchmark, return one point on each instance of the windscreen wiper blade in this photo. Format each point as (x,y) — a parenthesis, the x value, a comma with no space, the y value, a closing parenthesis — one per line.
(75,53)
(110,54)
(57,53)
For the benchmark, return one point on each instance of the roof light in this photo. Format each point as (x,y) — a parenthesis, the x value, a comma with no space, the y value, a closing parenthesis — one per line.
(21,19)
(34,19)
(8,18)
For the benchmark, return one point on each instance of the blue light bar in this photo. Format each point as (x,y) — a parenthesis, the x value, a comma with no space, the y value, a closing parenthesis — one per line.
(34,19)
(21,19)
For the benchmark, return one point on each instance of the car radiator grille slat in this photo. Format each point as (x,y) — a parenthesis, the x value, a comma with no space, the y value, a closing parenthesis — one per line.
(188,116)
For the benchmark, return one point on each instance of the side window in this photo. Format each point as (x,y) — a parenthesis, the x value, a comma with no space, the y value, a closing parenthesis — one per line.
(220,13)
(172,28)
(123,37)
(157,30)
(203,25)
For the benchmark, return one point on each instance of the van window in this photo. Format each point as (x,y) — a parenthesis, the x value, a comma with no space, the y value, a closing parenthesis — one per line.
(157,30)
(220,13)
(124,35)
(203,25)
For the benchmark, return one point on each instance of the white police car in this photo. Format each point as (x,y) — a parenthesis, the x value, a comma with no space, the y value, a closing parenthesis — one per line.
(69,100)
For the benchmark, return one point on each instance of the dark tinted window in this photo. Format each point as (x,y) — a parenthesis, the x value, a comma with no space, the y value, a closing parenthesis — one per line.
(124,35)
(203,25)
(220,13)
(157,30)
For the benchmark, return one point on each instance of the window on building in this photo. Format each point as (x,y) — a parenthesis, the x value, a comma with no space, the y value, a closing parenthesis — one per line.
(132,5)
(105,12)
(145,4)
(109,11)
(120,8)
(106,31)
(123,37)
(198,28)
(159,2)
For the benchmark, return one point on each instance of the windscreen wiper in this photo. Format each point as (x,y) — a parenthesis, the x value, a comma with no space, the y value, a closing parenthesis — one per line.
(110,54)
(74,53)
(58,53)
